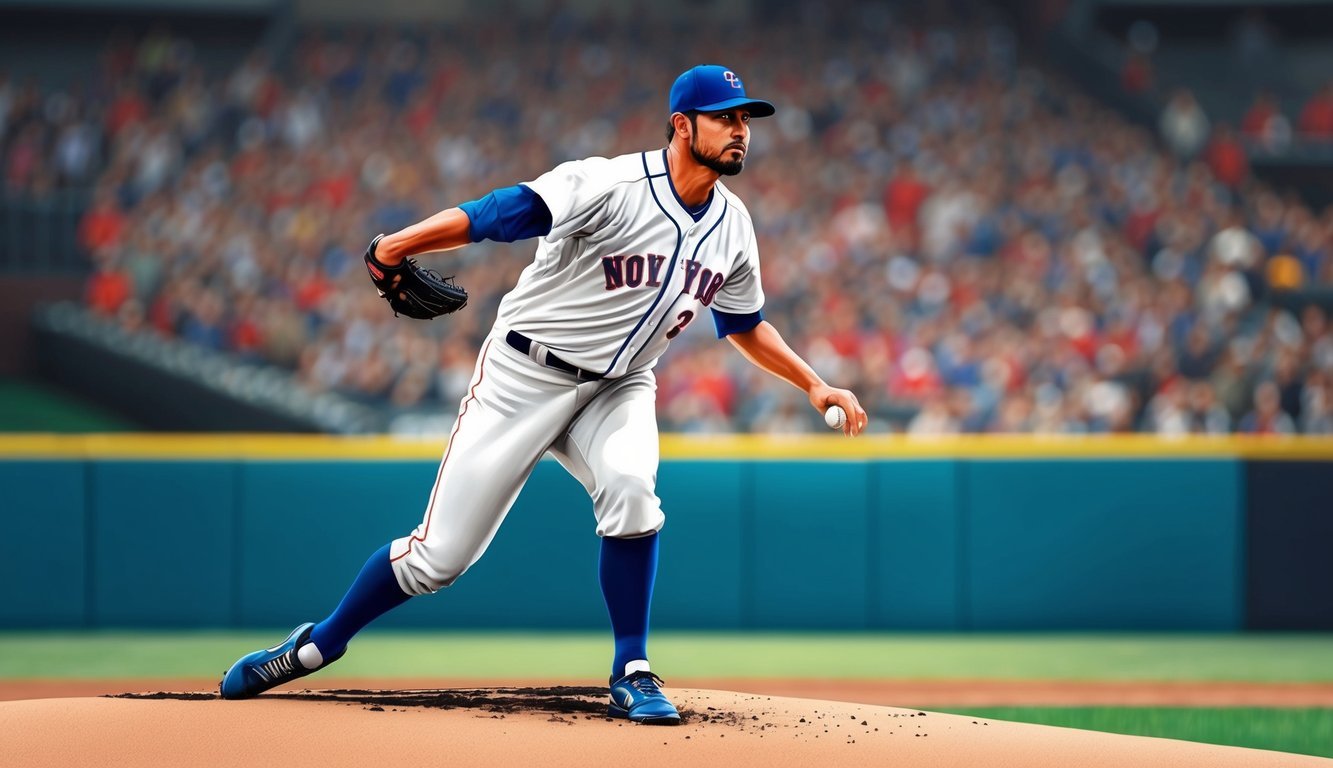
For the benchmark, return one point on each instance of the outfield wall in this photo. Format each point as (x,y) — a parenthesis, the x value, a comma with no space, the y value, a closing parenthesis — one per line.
(820,533)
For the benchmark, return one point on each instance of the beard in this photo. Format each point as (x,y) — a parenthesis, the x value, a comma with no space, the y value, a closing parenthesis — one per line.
(715,162)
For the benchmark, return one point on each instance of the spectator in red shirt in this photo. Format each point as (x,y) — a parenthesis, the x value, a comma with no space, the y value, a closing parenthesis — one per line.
(127,108)
(103,223)
(24,158)
(1265,123)
(109,287)
(335,186)
(915,377)
(1316,121)
(903,198)
(1256,120)
(1226,157)
(1136,76)
(245,335)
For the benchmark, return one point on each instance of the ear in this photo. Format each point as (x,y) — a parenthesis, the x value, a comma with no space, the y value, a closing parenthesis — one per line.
(682,125)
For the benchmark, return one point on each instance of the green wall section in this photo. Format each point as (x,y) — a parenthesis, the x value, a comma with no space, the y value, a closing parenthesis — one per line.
(704,571)
(44,537)
(1110,543)
(162,538)
(306,529)
(890,544)
(914,545)
(809,553)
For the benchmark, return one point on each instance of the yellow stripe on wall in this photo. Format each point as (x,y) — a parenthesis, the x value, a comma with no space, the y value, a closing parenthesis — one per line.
(721,447)
(216,446)
(998,447)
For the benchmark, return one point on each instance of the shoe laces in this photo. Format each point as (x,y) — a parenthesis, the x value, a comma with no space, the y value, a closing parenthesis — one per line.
(646,683)
(277,666)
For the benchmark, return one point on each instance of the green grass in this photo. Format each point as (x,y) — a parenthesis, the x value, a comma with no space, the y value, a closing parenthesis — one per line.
(1304,731)
(513,655)
(30,407)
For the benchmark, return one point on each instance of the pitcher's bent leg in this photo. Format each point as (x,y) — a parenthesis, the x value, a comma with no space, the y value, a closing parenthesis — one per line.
(504,425)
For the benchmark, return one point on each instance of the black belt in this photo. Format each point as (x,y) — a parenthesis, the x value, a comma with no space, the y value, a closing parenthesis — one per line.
(524,344)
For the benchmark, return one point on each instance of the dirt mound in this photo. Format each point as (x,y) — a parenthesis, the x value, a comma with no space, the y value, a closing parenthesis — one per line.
(555,726)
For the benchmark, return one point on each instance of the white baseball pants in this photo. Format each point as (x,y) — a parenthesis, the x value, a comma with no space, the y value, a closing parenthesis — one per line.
(603,432)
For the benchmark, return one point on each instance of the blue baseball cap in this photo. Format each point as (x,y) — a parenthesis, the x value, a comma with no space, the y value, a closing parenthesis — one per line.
(713,88)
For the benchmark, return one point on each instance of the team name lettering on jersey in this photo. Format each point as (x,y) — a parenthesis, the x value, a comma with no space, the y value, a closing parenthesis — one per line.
(625,265)
(629,272)
(709,283)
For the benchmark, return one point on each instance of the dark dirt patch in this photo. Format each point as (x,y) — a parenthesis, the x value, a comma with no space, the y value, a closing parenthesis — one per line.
(555,700)
(163,695)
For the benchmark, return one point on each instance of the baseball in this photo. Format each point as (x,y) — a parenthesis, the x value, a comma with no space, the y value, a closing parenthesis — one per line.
(834,417)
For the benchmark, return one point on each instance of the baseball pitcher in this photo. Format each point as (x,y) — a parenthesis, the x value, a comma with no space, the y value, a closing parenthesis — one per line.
(631,251)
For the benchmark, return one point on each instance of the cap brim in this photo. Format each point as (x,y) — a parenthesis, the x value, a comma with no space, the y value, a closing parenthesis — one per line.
(757,107)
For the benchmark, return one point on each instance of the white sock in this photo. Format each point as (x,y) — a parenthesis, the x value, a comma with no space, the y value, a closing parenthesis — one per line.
(309,656)
(638,665)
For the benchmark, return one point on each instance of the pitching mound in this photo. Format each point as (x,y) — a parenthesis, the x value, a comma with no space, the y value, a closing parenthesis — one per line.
(556,726)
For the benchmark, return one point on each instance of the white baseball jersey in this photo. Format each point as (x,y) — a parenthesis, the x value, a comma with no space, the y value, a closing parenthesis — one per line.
(625,267)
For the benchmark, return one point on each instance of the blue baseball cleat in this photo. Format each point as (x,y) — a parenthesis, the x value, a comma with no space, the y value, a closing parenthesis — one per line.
(259,671)
(638,697)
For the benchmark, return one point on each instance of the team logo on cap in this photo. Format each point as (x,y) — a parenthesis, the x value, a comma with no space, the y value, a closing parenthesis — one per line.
(730,77)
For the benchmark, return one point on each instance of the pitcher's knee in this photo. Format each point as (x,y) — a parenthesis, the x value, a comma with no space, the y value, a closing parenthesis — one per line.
(627,507)
(423,570)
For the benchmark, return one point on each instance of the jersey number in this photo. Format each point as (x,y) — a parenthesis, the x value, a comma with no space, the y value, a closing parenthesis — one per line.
(684,318)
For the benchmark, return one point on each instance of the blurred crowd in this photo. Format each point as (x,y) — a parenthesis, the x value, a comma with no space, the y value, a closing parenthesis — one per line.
(1255,65)
(1189,134)
(967,242)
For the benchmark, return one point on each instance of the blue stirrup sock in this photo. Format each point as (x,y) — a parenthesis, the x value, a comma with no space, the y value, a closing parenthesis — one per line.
(374,593)
(627,569)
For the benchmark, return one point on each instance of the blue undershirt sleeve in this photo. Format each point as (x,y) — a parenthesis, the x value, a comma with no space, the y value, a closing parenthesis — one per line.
(728,323)
(507,214)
